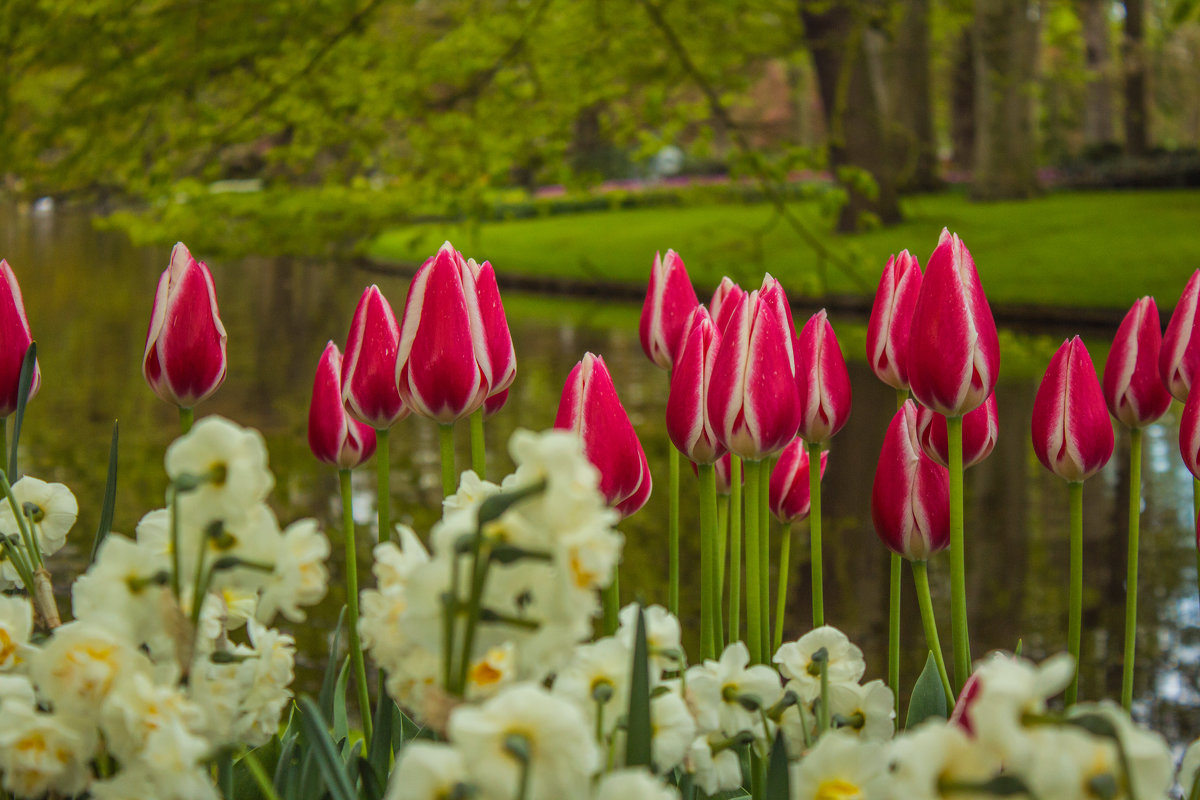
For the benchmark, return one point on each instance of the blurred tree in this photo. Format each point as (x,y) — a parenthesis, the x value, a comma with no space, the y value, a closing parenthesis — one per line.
(910,96)
(1098,128)
(1133,53)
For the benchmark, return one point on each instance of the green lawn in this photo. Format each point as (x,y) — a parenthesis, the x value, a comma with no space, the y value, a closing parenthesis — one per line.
(1091,249)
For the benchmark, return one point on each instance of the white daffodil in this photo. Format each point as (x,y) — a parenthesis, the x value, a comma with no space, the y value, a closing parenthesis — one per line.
(840,766)
(395,564)
(730,696)
(1151,770)
(491,673)
(80,664)
(124,590)
(1009,689)
(596,679)
(662,637)
(266,681)
(50,511)
(427,771)
(795,660)
(472,490)
(139,781)
(16,623)
(229,464)
(42,753)
(865,710)
(713,772)
(672,730)
(300,577)
(154,723)
(925,761)
(634,784)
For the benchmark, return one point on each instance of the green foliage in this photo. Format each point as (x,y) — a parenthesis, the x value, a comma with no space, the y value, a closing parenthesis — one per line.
(639,732)
(108,506)
(928,698)
(24,386)
(779,785)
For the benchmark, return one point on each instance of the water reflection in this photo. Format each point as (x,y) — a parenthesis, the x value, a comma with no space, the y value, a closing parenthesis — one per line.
(88,297)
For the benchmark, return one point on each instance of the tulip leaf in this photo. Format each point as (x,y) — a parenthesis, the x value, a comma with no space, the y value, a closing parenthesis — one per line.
(928,697)
(778,781)
(329,682)
(244,785)
(330,764)
(341,725)
(637,742)
(110,497)
(24,385)
(372,786)
(379,758)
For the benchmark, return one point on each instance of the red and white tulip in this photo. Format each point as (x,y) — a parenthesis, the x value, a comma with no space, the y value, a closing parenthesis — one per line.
(1072,433)
(910,499)
(891,319)
(1132,387)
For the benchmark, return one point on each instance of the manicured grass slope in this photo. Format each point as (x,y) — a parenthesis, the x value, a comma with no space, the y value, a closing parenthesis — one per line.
(1081,249)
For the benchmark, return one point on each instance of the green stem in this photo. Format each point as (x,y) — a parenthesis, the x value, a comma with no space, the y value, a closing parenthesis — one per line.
(1131,578)
(186,417)
(753,564)
(764,555)
(722,541)
(823,709)
(225,774)
(611,598)
(673,529)
(814,517)
(735,549)
(958,562)
(785,557)
(894,633)
(710,599)
(383,493)
(4,441)
(356,652)
(261,778)
(1075,620)
(449,473)
(478,448)
(176,583)
(31,547)
(921,578)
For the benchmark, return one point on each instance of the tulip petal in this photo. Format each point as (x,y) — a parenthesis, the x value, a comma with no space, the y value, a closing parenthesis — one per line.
(15,339)
(369,366)
(1072,435)
(1132,387)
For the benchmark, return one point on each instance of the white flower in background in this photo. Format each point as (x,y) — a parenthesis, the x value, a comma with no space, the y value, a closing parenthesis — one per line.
(253,537)
(662,637)
(868,709)
(217,691)
(266,681)
(672,730)
(713,772)
(799,726)
(727,695)
(525,722)
(1009,689)
(591,556)
(300,577)
(78,667)
(50,508)
(1189,768)
(596,679)
(16,689)
(153,722)
(139,782)
(123,591)
(846,664)
(634,784)
(230,460)
(472,490)
(840,766)
(427,771)
(927,757)
(42,753)
(491,673)
(16,623)
(394,565)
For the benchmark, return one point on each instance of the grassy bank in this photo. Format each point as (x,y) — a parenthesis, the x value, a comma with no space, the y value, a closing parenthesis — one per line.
(1101,249)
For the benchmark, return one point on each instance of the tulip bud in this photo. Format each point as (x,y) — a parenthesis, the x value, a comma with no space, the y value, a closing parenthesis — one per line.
(1072,434)
(953,348)
(822,381)
(910,500)
(724,301)
(1189,434)
(184,361)
(501,356)
(443,364)
(979,431)
(670,301)
(369,366)
(494,403)
(590,407)
(1179,357)
(724,470)
(753,401)
(891,319)
(688,423)
(1132,386)
(334,436)
(15,339)
(788,489)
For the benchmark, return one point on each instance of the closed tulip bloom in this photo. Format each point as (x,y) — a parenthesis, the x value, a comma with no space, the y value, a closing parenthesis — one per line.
(670,301)
(1132,387)
(979,431)
(590,407)
(891,319)
(443,364)
(502,357)
(724,300)
(494,403)
(953,347)
(1189,434)
(788,490)
(688,424)
(1072,434)
(1179,357)
(822,381)
(15,339)
(753,401)
(184,361)
(632,504)
(724,469)
(910,500)
(334,436)
(369,366)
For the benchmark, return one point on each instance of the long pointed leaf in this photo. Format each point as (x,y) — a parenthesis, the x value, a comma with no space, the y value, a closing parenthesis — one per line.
(329,682)
(110,497)
(23,387)
(381,744)
(372,786)
(331,766)
(778,780)
(341,725)
(928,697)
(637,744)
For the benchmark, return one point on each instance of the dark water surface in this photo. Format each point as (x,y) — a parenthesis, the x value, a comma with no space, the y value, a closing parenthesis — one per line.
(88,298)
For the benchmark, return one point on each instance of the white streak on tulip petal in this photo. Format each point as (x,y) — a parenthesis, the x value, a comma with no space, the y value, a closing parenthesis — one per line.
(1072,434)
(1180,346)
(1132,386)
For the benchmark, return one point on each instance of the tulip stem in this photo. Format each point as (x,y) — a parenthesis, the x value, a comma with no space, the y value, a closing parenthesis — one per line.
(186,417)
(449,474)
(894,632)
(753,563)
(356,652)
(611,598)
(735,548)
(4,440)
(1131,577)
(722,541)
(478,448)
(1075,621)
(673,528)
(764,556)
(958,562)
(785,557)
(921,579)
(710,603)
(814,523)
(383,494)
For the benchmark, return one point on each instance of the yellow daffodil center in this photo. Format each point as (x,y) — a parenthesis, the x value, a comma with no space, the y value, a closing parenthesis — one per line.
(580,575)
(484,674)
(838,789)
(8,647)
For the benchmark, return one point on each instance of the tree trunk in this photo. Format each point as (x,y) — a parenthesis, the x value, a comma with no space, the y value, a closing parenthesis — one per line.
(852,100)
(1005,75)
(910,100)
(962,103)
(1098,101)
(1133,51)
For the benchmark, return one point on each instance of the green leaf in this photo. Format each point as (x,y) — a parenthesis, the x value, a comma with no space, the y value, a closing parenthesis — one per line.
(372,787)
(928,697)
(778,780)
(244,785)
(110,497)
(331,766)
(341,726)
(23,387)
(329,682)
(380,756)
(637,742)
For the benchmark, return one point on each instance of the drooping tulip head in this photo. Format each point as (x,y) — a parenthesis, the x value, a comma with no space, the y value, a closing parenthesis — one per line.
(15,339)
(980,429)
(184,361)
(1132,387)
(788,492)
(334,436)
(590,407)
(1072,434)
(502,358)
(1189,434)
(724,301)
(910,500)
(670,301)
(953,347)
(1179,357)
(891,319)
(688,423)
(369,365)
(822,380)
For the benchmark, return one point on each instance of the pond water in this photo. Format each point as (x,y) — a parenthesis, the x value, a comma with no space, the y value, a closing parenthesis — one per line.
(88,298)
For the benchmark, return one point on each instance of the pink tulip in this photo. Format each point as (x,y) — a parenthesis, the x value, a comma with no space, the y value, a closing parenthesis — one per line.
(184,361)
(788,490)
(1179,358)
(334,436)
(442,363)
(953,348)
(891,319)
(369,366)
(724,301)
(822,381)
(15,339)
(910,501)
(722,466)
(979,431)
(1189,434)
(590,407)
(1072,434)
(670,301)
(1132,386)
(688,423)
(501,356)
(753,401)
(494,403)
